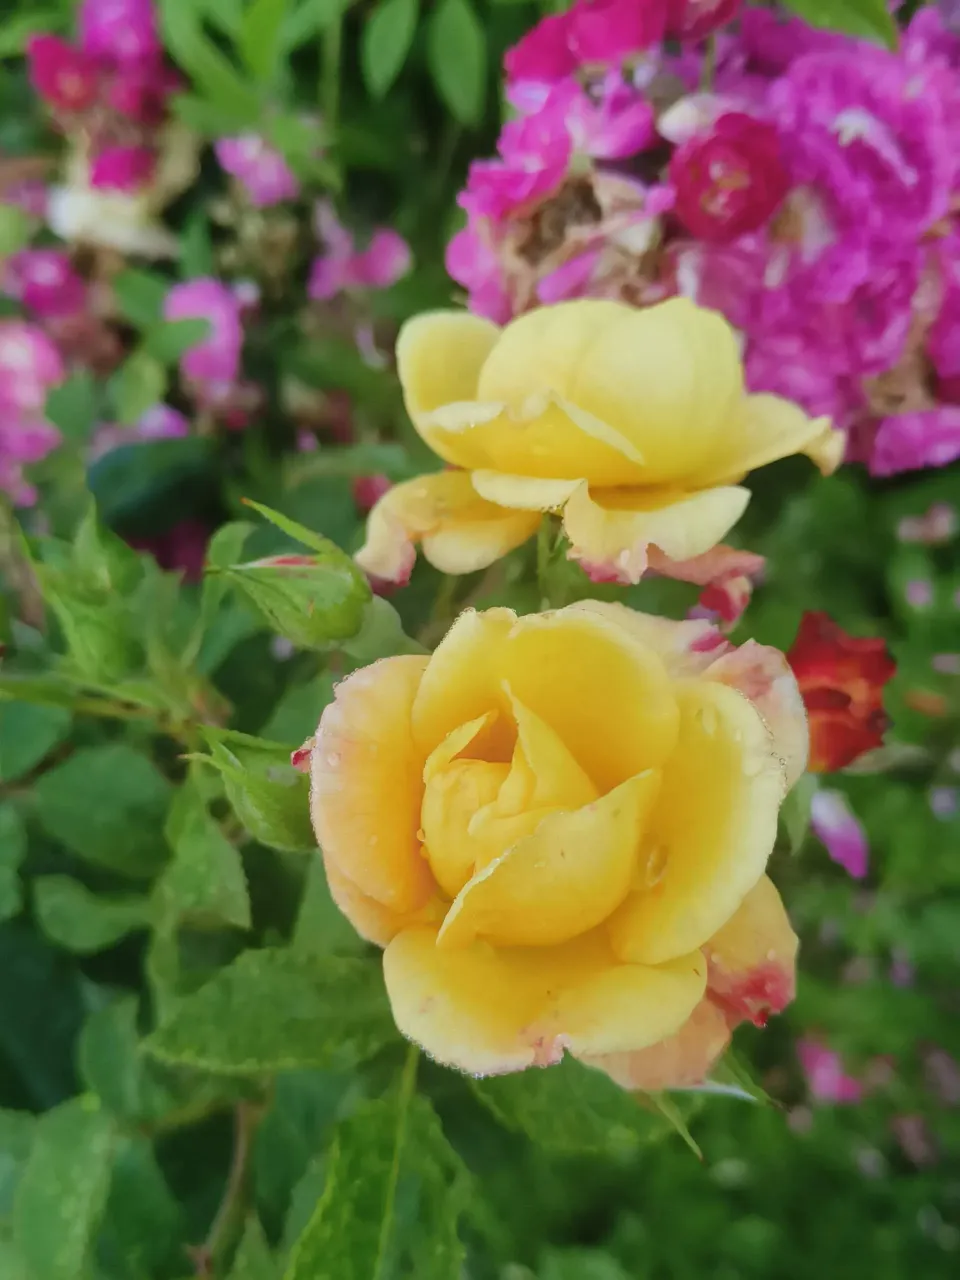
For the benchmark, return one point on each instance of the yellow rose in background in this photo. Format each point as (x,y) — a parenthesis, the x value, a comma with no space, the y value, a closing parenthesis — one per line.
(632,423)
(558,828)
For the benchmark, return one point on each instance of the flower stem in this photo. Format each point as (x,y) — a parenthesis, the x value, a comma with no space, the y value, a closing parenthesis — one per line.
(544,551)
(709,67)
(231,1202)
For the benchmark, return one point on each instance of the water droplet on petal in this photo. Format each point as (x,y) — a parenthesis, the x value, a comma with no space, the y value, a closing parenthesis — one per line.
(708,719)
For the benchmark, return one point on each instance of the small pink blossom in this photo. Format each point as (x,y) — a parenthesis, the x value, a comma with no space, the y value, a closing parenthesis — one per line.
(544,54)
(64,76)
(909,441)
(608,31)
(937,525)
(120,31)
(29,365)
(472,262)
(696,19)
(215,359)
(341,267)
(259,168)
(826,1078)
(837,827)
(140,91)
(730,180)
(535,153)
(46,282)
(122,168)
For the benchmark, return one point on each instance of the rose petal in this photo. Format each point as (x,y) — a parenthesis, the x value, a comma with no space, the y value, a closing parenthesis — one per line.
(770,428)
(752,959)
(679,1061)
(836,825)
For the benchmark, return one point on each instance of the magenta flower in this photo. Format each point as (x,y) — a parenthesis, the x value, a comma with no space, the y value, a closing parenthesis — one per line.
(909,441)
(120,32)
(617,125)
(826,1078)
(731,180)
(536,152)
(260,169)
(608,31)
(472,262)
(215,359)
(696,19)
(341,267)
(45,281)
(544,54)
(64,76)
(140,91)
(29,366)
(122,168)
(837,827)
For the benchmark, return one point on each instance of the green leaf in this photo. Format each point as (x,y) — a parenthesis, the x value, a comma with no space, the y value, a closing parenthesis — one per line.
(272,1010)
(299,532)
(260,37)
(296,716)
(85,922)
(102,560)
(64,1188)
(572,1108)
(141,1233)
(212,73)
(196,246)
(457,57)
(139,384)
(308,20)
(381,635)
(269,796)
(387,37)
(16,31)
(869,18)
(253,1259)
(107,804)
(109,1060)
(321,926)
(580,1264)
(140,295)
(313,601)
(74,406)
(167,340)
(153,474)
(393,1194)
(204,885)
(13,850)
(27,734)
(16,228)
(17,1129)
(795,812)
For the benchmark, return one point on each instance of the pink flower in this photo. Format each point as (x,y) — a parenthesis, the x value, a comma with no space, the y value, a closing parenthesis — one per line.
(695,19)
(64,76)
(619,125)
(535,151)
(910,441)
(141,90)
(826,1078)
(544,54)
(259,168)
(611,30)
(29,365)
(773,40)
(122,168)
(161,422)
(119,31)
(385,260)
(837,827)
(729,181)
(870,132)
(215,359)
(45,282)
(472,262)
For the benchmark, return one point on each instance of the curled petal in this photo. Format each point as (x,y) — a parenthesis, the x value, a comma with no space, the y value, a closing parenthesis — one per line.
(371,919)
(491,1010)
(752,959)
(611,530)
(523,493)
(687,648)
(712,830)
(770,428)
(458,530)
(763,675)
(837,826)
(680,1061)
(562,880)
(366,783)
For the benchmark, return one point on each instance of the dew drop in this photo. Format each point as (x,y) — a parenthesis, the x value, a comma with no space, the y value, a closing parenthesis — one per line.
(373,841)
(333,759)
(653,864)
(708,719)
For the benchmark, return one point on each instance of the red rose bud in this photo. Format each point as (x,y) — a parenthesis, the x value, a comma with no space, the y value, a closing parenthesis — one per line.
(841,678)
(64,77)
(368,490)
(314,601)
(730,180)
(696,19)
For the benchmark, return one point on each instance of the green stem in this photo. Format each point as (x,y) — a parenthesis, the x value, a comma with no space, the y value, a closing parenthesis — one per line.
(544,551)
(231,1203)
(408,1083)
(330,76)
(709,64)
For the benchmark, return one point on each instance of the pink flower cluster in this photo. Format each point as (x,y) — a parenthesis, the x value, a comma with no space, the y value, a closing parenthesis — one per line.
(45,281)
(805,183)
(111,88)
(211,367)
(260,169)
(342,267)
(29,366)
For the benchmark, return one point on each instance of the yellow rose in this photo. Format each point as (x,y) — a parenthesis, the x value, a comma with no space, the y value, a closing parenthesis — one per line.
(632,423)
(558,826)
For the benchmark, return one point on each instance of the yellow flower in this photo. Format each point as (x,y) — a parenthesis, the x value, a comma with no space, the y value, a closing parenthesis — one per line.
(633,423)
(558,826)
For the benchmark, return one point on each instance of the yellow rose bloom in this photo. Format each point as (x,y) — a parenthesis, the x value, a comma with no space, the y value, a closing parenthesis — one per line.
(557,826)
(632,423)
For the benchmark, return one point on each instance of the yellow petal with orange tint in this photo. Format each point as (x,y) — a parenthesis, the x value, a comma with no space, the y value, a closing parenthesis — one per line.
(764,676)
(451,798)
(606,695)
(490,1010)
(371,919)
(680,1061)
(768,428)
(458,530)
(562,880)
(712,830)
(610,530)
(687,647)
(464,680)
(523,493)
(366,784)
(752,960)
(550,773)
